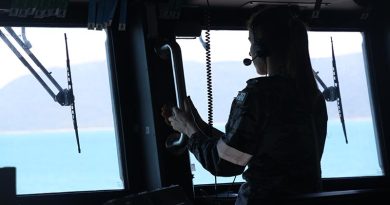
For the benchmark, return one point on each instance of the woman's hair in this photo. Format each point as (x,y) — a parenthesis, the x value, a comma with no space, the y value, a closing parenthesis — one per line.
(286,36)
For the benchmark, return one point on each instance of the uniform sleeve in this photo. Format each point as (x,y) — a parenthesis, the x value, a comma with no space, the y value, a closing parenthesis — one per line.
(229,155)
(205,150)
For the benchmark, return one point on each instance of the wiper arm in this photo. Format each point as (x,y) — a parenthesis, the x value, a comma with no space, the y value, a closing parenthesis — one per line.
(317,77)
(330,93)
(64,97)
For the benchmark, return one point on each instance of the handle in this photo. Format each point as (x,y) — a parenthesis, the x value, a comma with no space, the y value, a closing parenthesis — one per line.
(176,143)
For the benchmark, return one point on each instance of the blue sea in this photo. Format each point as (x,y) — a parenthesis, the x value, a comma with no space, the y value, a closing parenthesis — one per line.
(48,161)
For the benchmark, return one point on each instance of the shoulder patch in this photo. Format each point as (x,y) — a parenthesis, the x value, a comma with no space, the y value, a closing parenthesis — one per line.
(241,97)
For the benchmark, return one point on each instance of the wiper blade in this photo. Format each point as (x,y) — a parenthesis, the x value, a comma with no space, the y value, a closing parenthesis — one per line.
(70,88)
(337,86)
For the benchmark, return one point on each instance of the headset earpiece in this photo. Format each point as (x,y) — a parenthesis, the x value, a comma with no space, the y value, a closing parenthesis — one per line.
(260,49)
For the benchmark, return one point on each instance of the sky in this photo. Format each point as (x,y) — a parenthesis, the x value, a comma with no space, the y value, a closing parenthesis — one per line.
(49,47)
(319,45)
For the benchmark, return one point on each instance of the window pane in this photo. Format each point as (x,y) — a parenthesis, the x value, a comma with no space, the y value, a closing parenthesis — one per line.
(360,156)
(36,133)
(229,75)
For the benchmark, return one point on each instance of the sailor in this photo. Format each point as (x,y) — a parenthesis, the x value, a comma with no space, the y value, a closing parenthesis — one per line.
(276,130)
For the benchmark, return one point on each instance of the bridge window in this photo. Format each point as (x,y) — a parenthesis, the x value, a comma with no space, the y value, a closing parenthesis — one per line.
(37,135)
(228,48)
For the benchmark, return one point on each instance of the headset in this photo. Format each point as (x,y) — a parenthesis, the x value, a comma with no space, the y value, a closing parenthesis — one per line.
(260,50)
(259,46)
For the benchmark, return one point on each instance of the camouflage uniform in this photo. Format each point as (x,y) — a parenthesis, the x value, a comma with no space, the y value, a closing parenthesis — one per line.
(273,133)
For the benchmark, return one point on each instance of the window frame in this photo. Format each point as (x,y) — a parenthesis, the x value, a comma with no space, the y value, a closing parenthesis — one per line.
(376,50)
(341,183)
(77,18)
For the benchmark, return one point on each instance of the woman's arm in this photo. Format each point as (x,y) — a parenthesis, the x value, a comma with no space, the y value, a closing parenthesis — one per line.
(204,147)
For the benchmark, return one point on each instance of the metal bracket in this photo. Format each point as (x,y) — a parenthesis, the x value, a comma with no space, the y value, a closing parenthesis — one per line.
(172,10)
(366,13)
(316,11)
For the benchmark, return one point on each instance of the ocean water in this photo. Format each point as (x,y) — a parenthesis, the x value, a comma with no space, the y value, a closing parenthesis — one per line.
(48,162)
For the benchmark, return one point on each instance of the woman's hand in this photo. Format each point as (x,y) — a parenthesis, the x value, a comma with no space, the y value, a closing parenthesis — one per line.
(183,120)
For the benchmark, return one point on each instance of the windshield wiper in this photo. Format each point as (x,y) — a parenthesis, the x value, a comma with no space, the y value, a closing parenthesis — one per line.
(336,84)
(332,93)
(64,97)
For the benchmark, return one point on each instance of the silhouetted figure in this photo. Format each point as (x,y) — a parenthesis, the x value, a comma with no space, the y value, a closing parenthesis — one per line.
(277,123)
